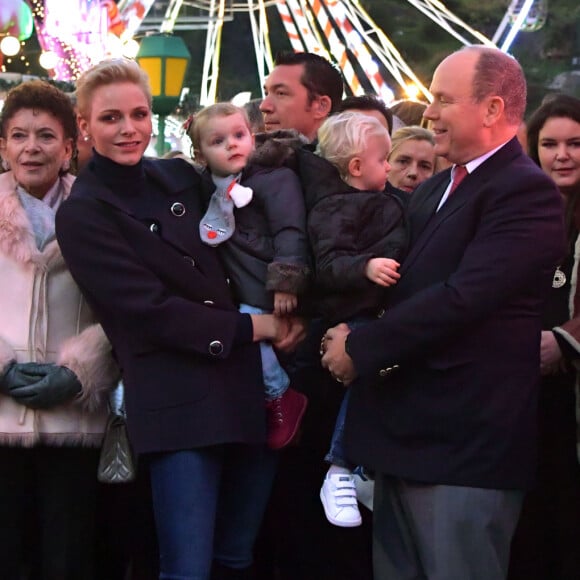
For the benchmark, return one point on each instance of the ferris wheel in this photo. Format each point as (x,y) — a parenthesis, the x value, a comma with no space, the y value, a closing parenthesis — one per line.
(340,30)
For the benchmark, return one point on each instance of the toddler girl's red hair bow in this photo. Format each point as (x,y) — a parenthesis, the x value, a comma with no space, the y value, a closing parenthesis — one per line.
(188,122)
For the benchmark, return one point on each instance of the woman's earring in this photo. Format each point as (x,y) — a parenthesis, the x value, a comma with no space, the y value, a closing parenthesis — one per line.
(5,165)
(87,138)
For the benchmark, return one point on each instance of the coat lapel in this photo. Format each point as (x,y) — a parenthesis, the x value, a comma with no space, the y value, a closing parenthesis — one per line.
(428,220)
(424,203)
(180,184)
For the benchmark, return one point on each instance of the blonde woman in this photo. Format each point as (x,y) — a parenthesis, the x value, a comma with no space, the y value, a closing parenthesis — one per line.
(412,158)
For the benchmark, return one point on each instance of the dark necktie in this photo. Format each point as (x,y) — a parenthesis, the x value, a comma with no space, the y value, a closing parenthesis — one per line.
(458,176)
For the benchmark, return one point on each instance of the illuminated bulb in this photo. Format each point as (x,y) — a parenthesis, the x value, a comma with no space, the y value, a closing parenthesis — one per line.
(387,94)
(10,46)
(412,91)
(114,46)
(354,38)
(48,60)
(130,48)
(371,67)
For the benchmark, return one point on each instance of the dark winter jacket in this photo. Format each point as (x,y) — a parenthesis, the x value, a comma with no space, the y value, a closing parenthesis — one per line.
(268,251)
(346,228)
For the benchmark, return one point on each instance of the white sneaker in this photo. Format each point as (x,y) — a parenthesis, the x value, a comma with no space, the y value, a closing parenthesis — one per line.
(338,496)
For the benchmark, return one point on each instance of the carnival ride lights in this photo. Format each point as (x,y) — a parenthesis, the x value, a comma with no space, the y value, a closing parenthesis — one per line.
(82,32)
(527,15)
(339,29)
(10,46)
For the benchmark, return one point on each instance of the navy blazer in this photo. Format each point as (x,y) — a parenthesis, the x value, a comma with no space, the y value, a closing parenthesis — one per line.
(164,302)
(449,382)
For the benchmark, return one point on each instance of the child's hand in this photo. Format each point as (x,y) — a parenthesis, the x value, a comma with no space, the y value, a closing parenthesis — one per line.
(382,271)
(284,303)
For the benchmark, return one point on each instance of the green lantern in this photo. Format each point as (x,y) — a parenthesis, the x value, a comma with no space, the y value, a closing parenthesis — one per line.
(164,58)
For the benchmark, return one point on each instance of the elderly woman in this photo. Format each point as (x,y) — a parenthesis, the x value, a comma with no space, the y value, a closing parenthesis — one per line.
(55,364)
(412,158)
(546,540)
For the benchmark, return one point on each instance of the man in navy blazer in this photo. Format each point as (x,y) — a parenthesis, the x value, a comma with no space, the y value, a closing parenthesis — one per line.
(444,406)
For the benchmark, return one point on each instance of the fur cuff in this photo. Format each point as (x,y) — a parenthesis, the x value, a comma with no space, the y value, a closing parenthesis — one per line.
(7,355)
(283,277)
(277,149)
(89,356)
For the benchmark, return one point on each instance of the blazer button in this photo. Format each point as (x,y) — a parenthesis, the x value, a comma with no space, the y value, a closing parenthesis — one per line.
(178,209)
(190,260)
(216,347)
(381,313)
(388,370)
(154,228)
(208,302)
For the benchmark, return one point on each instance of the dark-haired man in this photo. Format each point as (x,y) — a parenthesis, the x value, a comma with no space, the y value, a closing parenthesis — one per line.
(370,105)
(300,92)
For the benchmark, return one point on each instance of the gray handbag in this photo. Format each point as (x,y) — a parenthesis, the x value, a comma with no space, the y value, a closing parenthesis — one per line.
(117,463)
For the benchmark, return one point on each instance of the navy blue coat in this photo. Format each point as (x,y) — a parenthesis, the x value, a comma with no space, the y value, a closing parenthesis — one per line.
(450,373)
(165,304)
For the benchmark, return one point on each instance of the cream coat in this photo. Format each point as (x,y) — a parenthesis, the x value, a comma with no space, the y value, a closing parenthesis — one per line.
(44,318)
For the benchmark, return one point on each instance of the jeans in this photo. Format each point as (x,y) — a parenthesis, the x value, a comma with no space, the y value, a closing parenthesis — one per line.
(336,454)
(208,504)
(275,379)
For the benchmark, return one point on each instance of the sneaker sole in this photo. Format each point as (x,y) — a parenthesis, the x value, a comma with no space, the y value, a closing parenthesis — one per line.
(336,522)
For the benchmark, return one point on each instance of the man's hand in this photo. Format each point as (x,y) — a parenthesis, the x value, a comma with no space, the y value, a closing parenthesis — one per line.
(284,303)
(551,360)
(382,271)
(294,333)
(334,357)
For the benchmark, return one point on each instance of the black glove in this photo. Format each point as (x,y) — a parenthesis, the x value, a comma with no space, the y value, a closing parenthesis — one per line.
(22,374)
(59,385)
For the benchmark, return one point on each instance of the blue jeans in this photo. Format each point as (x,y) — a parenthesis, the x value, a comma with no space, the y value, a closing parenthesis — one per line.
(208,506)
(336,454)
(275,379)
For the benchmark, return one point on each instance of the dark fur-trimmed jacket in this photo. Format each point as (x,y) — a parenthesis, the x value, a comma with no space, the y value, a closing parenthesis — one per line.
(268,251)
(346,228)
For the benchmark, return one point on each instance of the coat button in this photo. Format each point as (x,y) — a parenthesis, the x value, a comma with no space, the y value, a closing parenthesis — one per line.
(190,260)
(381,313)
(154,228)
(388,370)
(216,348)
(208,302)
(178,209)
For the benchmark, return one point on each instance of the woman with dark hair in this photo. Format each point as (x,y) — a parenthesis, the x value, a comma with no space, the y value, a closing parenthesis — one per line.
(56,367)
(546,541)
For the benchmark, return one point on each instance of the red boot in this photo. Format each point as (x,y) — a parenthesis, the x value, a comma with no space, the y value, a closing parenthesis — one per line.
(284,415)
